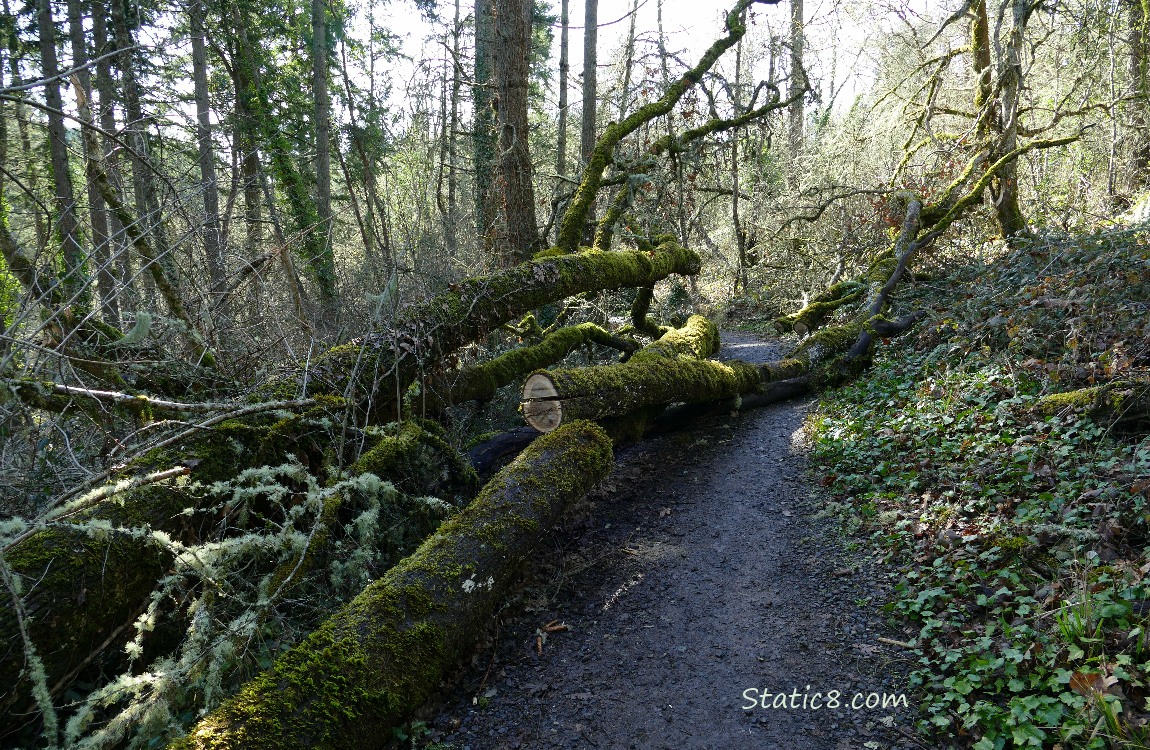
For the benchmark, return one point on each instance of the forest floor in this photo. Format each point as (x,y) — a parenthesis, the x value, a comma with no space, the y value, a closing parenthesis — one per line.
(699,576)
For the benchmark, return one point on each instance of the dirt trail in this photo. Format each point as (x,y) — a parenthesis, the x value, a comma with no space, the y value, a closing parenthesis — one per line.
(697,571)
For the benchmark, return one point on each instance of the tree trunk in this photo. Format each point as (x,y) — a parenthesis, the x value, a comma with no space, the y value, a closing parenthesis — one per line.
(514,233)
(564,67)
(21,119)
(483,135)
(144,186)
(74,281)
(590,79)
(736,223)
(374,371)
(1004,186)
(482,381)
(798,83)
(111,260)
(98,215)
(380,657)
(1139,47)
(628,61)
(675,368)
(213,242)
(325,269)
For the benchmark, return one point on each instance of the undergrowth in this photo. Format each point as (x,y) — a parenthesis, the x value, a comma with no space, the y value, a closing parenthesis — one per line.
(1018,534)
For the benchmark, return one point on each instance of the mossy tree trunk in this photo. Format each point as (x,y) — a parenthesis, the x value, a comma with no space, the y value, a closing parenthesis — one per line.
(368,667)
(482,381)
(375,371)
(675,368)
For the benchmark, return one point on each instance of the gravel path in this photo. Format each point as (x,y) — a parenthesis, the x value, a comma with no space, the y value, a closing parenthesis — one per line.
(697,576)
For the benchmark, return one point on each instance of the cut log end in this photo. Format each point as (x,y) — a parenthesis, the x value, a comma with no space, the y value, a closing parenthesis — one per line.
(801,328)
(541,407)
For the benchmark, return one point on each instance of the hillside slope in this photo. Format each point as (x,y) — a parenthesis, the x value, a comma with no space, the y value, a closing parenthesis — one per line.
(999,461)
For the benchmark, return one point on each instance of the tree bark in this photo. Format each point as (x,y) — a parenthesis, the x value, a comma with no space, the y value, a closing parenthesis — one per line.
(325,270)
(482,381)
(74,282)
(111,261)
(514,232)
(1139,72)
(483,134)
(590,79)
(382,656)
(564,68)
(798,84)
(213,242)
(97,212)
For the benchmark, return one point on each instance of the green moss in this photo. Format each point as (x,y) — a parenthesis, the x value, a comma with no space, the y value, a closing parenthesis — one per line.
(550,252)
(828,343)
(380,657)
(416,457)
(822,306)
(373,369)
(84,584)
(1124,402)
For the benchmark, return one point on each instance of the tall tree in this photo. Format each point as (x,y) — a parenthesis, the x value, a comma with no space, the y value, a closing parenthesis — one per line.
(483,133)
(590,78)
(564,66)
(1004,187)
(97,211)
(798,82)
(213,242)
(322,98)
(75,282)
(1138,43)
(514,235)
(117,262)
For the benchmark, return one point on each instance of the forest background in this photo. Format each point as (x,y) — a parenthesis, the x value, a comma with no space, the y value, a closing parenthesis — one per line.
(215,217)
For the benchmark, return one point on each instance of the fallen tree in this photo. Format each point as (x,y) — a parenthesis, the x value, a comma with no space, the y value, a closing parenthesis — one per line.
(374,372)
(674,369)
(370,378)
(482,381)
(361,674)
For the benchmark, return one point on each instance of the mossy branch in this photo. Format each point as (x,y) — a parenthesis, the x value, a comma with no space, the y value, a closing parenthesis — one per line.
(821,307)
(373,371)
(482,381)
(575,217)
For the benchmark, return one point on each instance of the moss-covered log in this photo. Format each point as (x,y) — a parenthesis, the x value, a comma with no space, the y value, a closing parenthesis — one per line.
(1123,403)
(83,586)
(673,368)
(376,370)
(88,572)
(820,308)
(416,457)
(484,380)
(369,666)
